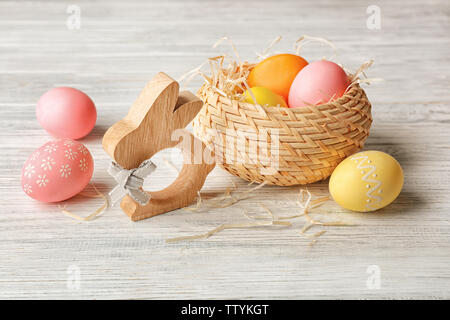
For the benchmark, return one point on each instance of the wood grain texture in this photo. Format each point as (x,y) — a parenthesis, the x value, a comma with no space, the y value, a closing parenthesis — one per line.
(119,47)
(157,121)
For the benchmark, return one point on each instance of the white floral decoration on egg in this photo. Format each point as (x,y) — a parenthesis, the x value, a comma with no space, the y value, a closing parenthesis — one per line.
(47,163)
(27,188)
(68,143)
(35,155)
(29,170)
(65,171)
(42,181)
(83,165)
(83,150)
(69,154)
(51,148)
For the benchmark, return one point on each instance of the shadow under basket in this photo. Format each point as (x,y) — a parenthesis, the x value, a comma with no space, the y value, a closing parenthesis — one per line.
(283,146)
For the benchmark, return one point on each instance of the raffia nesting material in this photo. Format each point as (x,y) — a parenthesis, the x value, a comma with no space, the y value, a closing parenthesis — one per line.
(312,140)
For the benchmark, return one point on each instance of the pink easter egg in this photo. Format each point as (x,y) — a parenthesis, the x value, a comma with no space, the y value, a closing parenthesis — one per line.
(66,113)
(319,82)
(57,171)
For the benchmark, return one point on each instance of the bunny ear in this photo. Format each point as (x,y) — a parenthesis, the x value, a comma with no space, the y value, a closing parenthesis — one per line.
(157,100)
(188,105)
(146,128)
(149,124)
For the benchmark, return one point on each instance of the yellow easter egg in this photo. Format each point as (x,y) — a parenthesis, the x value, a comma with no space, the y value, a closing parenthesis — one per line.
(366,181)
(265,97)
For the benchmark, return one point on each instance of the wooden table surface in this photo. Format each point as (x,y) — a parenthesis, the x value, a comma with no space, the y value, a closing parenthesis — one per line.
(402,251)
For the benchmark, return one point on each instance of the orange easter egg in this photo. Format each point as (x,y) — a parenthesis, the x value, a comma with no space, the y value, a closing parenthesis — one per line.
(277,73)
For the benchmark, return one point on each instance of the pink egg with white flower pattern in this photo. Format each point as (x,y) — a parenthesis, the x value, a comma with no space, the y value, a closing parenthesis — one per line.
(57,171)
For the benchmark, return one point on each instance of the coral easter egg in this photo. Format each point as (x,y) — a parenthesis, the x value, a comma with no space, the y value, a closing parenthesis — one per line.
(57,171)
(276,73)
(319,82)
(264,97)
(366,181)
(66,113)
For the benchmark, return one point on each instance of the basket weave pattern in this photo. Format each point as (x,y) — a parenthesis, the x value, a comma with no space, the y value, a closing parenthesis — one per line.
(312,139)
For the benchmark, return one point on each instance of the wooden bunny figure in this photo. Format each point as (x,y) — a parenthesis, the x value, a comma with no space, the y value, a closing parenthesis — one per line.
(156,121)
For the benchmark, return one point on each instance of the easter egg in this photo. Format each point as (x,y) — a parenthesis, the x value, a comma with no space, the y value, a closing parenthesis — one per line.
(319,82)
(57,171)
(276,73)
(264,97)
(366,181)
(66,113)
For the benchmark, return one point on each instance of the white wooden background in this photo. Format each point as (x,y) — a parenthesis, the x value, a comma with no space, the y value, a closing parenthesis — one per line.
(119,47)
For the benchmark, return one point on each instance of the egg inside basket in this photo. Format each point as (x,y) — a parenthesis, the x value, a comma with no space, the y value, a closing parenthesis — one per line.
(279,146)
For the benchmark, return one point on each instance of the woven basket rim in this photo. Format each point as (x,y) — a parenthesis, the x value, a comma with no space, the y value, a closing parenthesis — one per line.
(353,90)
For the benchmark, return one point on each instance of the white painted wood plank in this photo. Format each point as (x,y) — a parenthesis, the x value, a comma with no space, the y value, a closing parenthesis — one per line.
(119,47)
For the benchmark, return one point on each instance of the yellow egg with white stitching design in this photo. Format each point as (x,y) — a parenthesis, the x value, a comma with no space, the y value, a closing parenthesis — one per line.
(366,181)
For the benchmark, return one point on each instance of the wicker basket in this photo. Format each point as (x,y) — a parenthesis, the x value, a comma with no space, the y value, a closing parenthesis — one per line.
(312,140)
